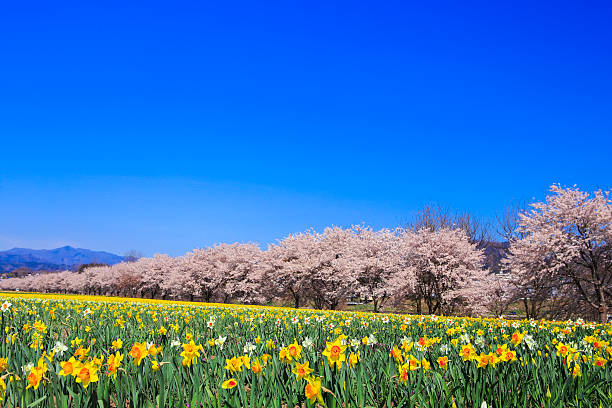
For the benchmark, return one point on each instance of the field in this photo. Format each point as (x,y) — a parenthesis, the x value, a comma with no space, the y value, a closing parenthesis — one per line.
(83,351)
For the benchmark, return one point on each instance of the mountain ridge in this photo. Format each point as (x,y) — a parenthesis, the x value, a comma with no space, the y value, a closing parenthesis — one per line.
(62,258)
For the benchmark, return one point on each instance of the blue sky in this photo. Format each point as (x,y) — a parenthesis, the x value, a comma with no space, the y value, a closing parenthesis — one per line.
(162,126)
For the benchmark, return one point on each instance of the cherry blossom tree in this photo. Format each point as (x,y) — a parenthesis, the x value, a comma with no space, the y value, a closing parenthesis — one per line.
(382,267)
(533,274)
(242,267)
(224,272)
(196,275)
(319,266)
(291,264)
(334,277)
(154,273)
(567,241)
(99,280)
(447,269)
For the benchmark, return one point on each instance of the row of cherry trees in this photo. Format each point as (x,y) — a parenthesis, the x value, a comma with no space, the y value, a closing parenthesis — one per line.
(558,264)
(439,268)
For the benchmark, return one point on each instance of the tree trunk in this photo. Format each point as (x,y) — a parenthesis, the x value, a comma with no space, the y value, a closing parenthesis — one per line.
(603,307)
(436,308)
(296,301)
(429,303)
(535,309)
(296,297)
(526,304)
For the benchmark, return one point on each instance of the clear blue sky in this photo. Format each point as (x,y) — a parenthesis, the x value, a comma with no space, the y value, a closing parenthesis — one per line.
(164,126)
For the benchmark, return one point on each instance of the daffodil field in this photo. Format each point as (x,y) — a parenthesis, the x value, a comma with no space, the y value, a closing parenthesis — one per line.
(83,351)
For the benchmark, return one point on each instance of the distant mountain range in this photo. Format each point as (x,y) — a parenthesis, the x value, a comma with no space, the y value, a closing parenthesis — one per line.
(58,259)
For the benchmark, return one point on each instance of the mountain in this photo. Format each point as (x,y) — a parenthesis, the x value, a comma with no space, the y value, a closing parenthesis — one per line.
(62,258)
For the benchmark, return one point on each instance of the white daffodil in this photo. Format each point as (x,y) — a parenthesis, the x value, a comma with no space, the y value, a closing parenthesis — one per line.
(220,341)
(531,343)
(59,348)
(5,306)
(248,348)
(307,343)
